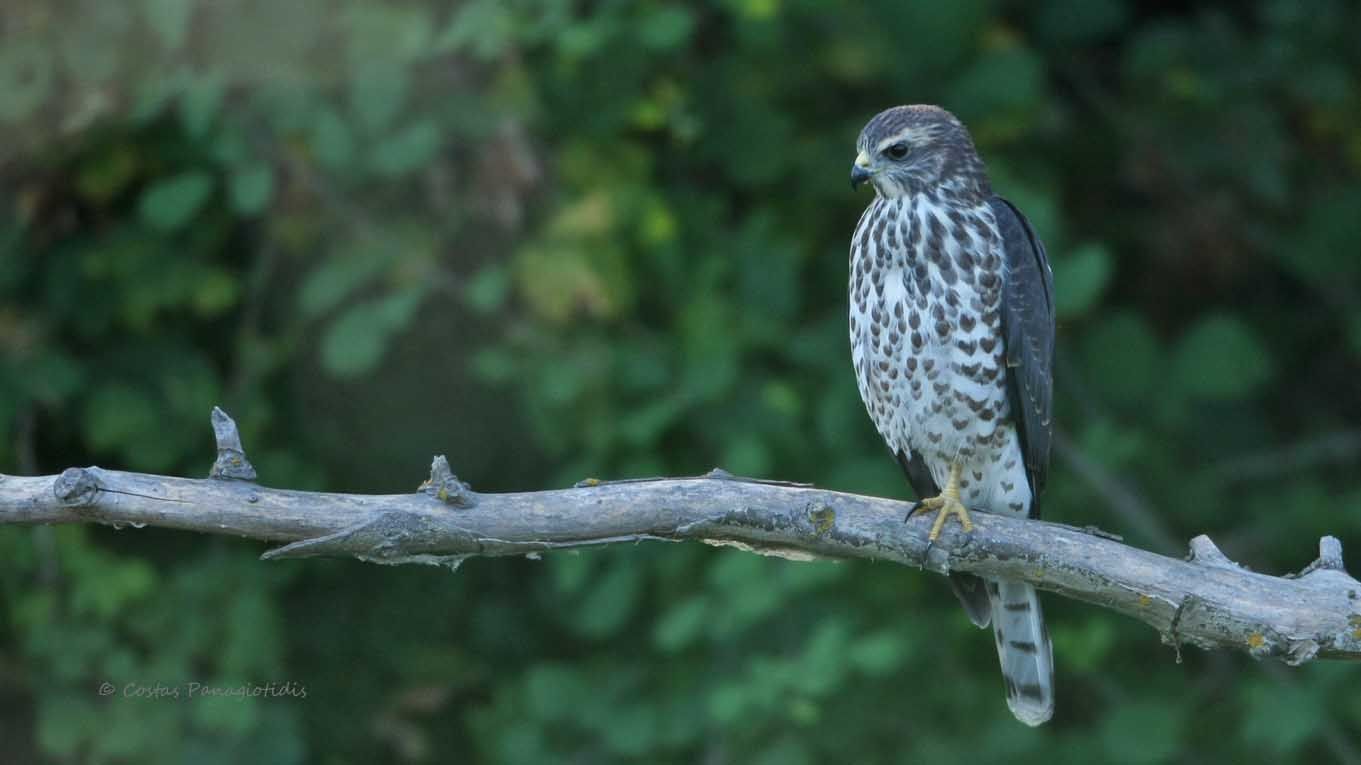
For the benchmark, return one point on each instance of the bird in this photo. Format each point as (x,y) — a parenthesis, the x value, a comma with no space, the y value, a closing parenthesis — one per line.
(952,340)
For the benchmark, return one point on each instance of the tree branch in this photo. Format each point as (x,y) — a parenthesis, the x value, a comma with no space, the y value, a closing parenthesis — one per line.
(1206,600)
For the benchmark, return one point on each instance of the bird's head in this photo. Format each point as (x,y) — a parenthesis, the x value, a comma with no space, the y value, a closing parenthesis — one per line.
(911,149)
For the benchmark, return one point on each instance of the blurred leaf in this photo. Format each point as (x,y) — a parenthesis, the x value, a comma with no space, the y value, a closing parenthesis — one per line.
(681,624)
(155,94)
(168,205)
(1080,21)
(332,141)
(118,416)
(878,654)
(226,714)
(169,19)
(747,455)
(583,39)
(1322,249)
(251,188)
(1283,717)
(357,340)
(230,146)
(1079,279)
(609,602)
(1221,357)
(117,585)
(1144,732)
(377,94)
(560,283)
(381,32)
(571,573)
(788,750)
(407,149)
(666,27)
(65,725)
(215,292)
(823,665)
(952,29)
(1086,646)
(484,27)
(200,102)
(493,365)
(727,703)
(1038,205)
(1002,82)
(647,424)
(50,376)
(1123,358)
(339,277)
(108,173)
(555,691)
(633,731)
(487,290)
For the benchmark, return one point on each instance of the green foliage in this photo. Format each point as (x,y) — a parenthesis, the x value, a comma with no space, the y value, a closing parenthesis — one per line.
(1079,279)
(1220,358)
(556,241)
(170,204)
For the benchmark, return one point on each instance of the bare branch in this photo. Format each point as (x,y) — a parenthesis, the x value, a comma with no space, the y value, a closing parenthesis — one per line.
(1206,600)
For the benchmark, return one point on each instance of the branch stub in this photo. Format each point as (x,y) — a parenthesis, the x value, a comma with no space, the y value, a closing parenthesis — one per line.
(1206,552)
(445,486)
(1330,554)
(231,461)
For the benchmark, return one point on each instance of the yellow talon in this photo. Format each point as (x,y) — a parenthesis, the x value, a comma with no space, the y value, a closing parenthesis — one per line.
(946,505)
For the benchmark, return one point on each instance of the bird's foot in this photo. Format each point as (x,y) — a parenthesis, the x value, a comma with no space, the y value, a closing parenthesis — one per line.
(944,506)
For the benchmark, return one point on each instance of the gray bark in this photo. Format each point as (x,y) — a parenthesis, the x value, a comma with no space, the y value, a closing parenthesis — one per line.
(1205,600)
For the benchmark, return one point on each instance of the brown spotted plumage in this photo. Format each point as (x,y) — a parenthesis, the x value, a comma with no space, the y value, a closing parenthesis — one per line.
(952,338)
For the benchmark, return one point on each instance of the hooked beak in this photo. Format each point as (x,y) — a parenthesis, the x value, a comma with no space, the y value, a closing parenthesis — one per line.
(860,171)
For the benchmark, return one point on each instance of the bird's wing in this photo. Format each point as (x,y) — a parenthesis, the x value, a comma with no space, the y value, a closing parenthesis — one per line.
(970,589)
(918,475)
(1028,333)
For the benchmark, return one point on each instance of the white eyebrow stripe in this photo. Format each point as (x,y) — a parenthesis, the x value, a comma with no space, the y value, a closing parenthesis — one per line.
(911,135)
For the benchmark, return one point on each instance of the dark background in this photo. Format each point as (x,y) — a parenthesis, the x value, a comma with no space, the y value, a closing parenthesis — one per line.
(556,240)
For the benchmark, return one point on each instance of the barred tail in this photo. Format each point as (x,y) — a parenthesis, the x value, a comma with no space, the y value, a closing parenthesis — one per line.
(1023,648)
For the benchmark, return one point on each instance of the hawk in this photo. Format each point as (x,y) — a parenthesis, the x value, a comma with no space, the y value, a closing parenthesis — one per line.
(952,338)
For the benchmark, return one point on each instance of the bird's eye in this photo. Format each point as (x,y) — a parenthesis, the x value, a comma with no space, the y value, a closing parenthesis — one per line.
(897,150)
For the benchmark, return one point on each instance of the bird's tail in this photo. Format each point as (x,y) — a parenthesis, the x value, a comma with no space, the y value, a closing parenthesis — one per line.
(1023,649)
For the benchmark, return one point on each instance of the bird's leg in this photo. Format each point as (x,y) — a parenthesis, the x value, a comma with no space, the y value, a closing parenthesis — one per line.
(945,504)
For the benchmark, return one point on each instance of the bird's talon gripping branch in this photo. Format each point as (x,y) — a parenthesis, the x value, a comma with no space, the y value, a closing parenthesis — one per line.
(945,504)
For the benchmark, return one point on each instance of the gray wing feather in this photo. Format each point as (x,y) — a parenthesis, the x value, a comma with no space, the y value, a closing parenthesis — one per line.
(1028,332)
(970,589)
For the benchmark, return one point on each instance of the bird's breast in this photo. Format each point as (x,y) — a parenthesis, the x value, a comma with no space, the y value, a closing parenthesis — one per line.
(926,334)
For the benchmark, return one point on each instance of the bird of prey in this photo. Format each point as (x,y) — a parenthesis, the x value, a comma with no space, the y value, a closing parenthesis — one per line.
(952,337)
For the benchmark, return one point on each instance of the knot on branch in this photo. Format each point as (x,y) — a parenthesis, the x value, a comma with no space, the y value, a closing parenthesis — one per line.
(76,487)
(389,538)
(231,463)
(445,486)
(821,517)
